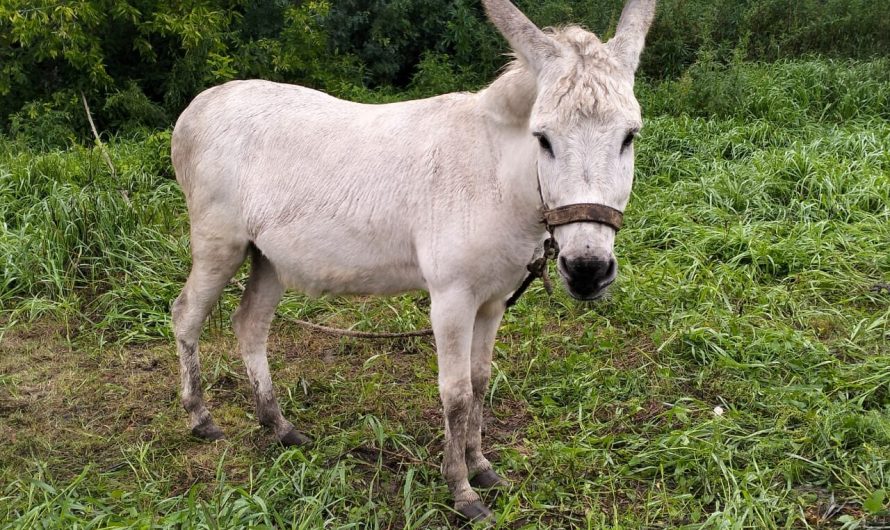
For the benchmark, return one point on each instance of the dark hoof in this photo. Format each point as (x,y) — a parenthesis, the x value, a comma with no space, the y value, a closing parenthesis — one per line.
(208,431)
(475,512)
(294,438)
(488,479)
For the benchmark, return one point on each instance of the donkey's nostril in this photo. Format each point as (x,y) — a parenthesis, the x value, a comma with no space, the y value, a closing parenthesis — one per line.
(612,270)
(587,267)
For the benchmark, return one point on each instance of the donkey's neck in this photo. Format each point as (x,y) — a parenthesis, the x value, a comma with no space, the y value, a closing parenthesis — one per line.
(509,99)
(507,104)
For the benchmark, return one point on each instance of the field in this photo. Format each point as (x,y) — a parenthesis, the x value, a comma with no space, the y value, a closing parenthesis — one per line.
(754,272)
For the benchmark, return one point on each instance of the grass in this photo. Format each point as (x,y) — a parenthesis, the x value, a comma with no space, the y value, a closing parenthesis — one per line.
(751,265)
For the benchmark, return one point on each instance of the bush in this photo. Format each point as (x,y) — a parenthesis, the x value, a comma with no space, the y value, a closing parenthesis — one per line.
(48,124)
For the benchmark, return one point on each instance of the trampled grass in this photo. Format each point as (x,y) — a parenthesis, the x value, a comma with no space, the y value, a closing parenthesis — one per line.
(752,266)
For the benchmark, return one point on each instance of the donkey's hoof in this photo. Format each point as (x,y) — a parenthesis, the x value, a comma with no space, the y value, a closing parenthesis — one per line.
(294,438)
(475,512)
(488,479)
(208,431)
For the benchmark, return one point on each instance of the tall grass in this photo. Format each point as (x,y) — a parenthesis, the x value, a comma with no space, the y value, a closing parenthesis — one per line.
(784,92)
(109,252)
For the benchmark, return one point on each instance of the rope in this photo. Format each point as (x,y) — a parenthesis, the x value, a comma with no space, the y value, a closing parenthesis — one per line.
(537,269)
(360,334)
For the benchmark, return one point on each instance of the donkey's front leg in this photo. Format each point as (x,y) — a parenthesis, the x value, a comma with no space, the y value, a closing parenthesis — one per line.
(452,314)
(485,329)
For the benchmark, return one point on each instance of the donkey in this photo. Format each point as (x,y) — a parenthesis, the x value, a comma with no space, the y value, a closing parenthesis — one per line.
(451,194)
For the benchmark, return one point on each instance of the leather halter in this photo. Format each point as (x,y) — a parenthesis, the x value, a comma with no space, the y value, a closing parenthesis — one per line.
(583,213)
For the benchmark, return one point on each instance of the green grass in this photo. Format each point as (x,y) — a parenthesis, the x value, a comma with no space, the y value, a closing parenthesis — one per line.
(785,92)
(753,245)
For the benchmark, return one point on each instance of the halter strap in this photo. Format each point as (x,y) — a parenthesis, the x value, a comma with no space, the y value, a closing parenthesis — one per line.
(582,213)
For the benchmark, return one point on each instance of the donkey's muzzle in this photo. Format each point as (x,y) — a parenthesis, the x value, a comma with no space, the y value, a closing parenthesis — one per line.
(588,277)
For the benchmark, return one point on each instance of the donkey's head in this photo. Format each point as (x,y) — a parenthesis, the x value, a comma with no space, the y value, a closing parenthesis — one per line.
(585,117)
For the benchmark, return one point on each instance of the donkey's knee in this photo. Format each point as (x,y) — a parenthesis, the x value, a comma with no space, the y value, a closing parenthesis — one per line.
(178,306)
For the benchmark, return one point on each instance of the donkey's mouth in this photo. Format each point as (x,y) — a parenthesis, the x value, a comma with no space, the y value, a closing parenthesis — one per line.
(585,291)
(588,296)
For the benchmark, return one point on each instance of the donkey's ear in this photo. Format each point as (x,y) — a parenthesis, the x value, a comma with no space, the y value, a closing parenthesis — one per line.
(526,39)
(630,36)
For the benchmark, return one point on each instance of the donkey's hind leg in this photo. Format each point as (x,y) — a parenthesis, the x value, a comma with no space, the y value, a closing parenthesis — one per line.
(251,323)
(214,262)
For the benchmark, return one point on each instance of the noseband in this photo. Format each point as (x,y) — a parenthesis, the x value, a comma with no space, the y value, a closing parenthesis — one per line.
(582,213)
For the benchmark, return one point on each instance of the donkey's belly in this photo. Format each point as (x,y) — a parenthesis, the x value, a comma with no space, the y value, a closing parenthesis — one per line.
(341,265)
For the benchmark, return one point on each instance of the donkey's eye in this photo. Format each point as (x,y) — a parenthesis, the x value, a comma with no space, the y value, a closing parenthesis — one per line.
(545,143)
(629,139)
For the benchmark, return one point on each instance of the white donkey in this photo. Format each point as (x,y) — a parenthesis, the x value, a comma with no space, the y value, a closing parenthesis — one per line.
(451,194)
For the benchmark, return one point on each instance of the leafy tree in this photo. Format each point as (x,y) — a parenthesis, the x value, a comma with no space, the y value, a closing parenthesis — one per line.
(139,62)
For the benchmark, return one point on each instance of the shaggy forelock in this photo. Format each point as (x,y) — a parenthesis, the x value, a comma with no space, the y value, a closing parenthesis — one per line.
(595,84)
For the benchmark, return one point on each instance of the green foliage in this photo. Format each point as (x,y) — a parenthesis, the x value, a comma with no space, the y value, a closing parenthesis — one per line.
(853,28)
(387,36)
(49,123)
(151,57)
(436,75)
(130,109)
(140,62)
(764,30)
